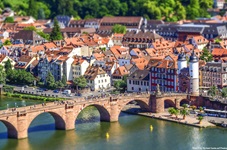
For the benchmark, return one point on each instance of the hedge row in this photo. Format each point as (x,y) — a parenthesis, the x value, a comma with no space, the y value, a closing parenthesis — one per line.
(33,97)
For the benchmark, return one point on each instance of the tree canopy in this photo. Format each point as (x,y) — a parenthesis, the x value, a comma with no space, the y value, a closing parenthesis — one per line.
(2,75)
(9,20)
(80,82)
(206,55)
(169,10)
(56,33)
(121,85)
(50,81)
(8,65)
(117,28)
(19,76)
(213,91)
(7,42)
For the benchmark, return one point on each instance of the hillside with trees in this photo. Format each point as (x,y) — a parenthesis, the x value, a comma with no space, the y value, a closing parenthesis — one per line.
(168,10)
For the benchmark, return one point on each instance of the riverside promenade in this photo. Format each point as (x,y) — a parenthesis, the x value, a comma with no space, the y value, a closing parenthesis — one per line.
(190,120)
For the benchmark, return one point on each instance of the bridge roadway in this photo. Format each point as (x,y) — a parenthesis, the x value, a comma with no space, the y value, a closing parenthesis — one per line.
(18,120)
(60,104)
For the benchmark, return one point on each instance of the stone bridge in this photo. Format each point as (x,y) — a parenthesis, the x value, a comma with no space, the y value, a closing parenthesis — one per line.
(65,113)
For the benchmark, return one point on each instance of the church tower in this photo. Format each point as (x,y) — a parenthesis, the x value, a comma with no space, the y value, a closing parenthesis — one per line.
(194,74)
(181,62)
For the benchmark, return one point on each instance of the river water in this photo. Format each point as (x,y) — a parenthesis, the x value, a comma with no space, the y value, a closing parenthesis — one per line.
(130,133)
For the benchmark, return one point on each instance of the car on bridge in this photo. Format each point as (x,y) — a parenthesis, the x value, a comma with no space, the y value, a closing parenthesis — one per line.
(40,90)
(56,91)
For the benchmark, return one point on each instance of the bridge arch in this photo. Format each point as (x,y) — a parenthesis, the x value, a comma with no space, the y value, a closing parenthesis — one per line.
(103,111)
(60,123)
(184,101)
(11,129)
(143,103)
(169,103)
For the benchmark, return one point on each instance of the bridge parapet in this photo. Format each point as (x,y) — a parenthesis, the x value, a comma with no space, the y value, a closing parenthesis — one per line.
(21,113)
(170,94)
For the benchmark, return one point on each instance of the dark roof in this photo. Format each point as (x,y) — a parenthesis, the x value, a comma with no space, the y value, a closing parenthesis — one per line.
(140,75)
(193,57)
(77,22)
(26,35)
(120,20)
(181,57)
(67,29)
(141,34)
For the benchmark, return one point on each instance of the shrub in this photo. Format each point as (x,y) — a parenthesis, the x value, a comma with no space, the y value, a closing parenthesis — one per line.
(7,88)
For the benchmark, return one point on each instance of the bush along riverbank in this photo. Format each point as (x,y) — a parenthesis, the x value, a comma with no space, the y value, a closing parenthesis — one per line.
(33,97)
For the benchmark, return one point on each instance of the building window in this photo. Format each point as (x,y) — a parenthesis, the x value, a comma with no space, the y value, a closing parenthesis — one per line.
(129,81)
(133,88)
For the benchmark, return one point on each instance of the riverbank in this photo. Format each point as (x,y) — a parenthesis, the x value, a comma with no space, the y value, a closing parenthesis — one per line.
(190,120)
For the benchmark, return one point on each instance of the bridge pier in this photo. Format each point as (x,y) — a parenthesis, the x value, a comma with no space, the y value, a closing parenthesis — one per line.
(114,111)
(22,125)
(177,103)
(70,120)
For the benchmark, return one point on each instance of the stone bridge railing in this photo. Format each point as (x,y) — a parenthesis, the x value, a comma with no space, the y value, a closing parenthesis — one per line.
(169,94)
(60,104)
(81,100)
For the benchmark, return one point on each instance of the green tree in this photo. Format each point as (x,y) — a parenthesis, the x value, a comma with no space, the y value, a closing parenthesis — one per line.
(9,20)
(31,28)
(28,78)
(59,84)
(7,42)
(8,65)
(184,112)
(206,55)
(176,113)
(56,33)
(41,14)
(200,109)
(80,82)
(32,8)
(224,92)
(2,75)
(193,9)
(171,110)
(119,29)
(169,10)
(200,118)
(212,91)
(50,81)
(121,85)
(64,80)
(44,35)
(184,106)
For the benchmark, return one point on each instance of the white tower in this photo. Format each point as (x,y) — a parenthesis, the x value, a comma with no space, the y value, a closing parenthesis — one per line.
(194,74)
(181,62)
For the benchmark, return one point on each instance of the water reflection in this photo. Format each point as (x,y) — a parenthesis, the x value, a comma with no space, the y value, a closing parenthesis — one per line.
(23,144)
